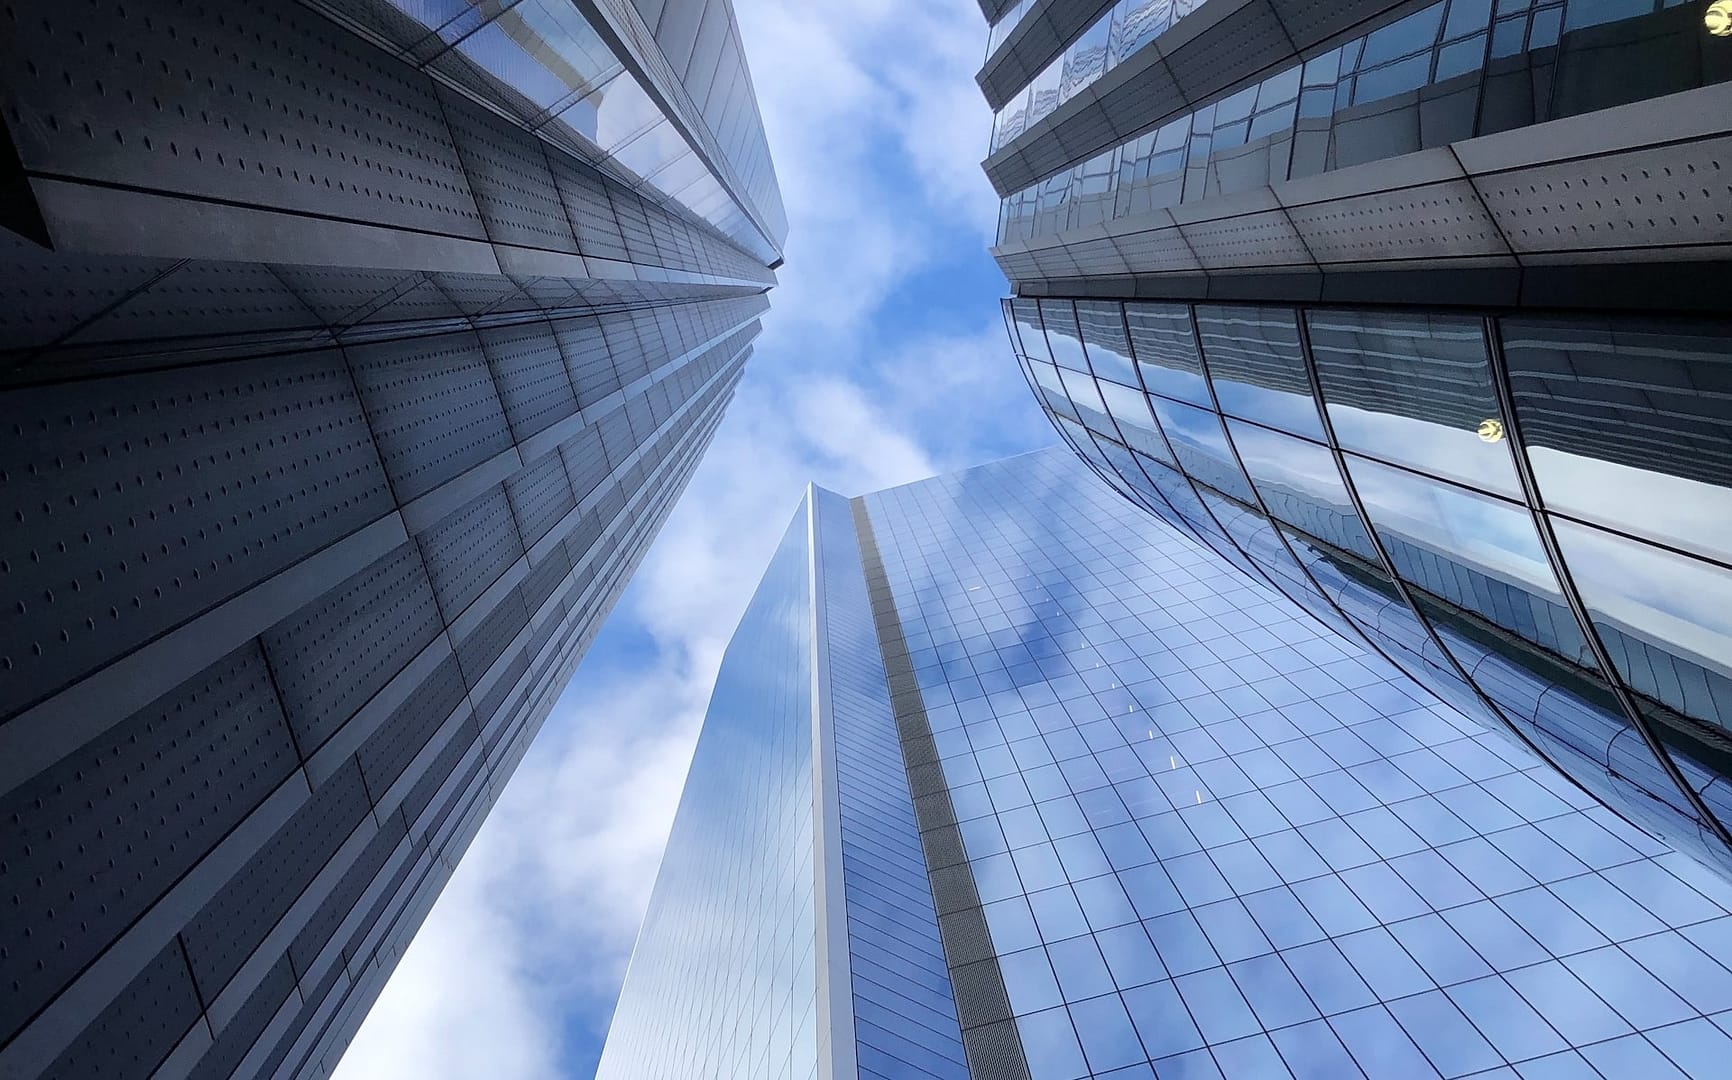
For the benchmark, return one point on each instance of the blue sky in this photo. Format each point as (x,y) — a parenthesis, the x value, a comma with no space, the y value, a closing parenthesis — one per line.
(883,360)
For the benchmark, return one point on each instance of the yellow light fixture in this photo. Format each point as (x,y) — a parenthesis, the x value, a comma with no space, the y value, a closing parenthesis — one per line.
(1718,18)
(1492,430)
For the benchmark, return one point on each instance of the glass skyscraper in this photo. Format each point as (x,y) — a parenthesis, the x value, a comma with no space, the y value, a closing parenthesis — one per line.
(1004,777)
(1417,314)
(351,355)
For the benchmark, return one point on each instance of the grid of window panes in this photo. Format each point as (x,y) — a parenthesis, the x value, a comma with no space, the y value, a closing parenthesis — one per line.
(904,1015)
(722,982)
(1598,628)
(1216,839)
(1446,72)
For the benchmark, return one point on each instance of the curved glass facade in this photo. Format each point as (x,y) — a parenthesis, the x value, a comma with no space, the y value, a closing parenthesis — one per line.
(1529,515)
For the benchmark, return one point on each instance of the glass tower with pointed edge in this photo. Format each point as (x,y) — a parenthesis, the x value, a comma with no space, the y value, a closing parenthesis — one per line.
(351,355)
(1415,312)
(1003,778)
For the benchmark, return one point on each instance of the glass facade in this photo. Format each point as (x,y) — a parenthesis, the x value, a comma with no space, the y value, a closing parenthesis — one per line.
(1213,838)
(1024,782)
(724,980)
(1525,513)
(1447,72)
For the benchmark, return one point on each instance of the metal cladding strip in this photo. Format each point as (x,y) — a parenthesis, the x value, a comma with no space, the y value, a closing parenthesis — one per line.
(836,1032)
(368,968)
(989,1034)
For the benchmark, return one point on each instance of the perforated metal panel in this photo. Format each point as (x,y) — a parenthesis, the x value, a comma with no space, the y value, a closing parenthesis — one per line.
(394,745)
(587,359)
(486,642)
(335,653)
(469,549)
(91,843)
(50,294)
(1428,222)
(340,294)
(342,899)
(139,501)
(1677,194)
(329,126)
(585,461)
(221,936)
(203,298)
(432,407)
(1258,239)
(540,495)
(239,1034)
(529,372)
(138,1028)
(545,577)
(509,175)
(440,771)
(589,210)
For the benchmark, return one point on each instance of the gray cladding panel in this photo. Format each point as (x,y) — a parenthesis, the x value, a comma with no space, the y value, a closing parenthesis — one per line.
(48,294)
(1426,222)
(221,937)
(138,1028)
(95,840)
(334,654)
(587,359)
(342,899)
(248,1024)
(540,495)
(328,126)
(588,208)
(508,171)
(204,298)
(529,371)
(141,500)
(469,549)
(489,639)
(394,745)
(432,406)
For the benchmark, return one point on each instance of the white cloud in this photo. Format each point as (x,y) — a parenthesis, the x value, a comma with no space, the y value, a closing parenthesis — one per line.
(877,129)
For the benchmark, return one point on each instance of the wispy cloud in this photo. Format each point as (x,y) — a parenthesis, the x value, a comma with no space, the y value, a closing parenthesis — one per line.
(882,361)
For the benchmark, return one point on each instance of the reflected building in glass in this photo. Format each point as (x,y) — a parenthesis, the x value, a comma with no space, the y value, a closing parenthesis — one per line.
(1003,779)
(351,356)
(1415,313)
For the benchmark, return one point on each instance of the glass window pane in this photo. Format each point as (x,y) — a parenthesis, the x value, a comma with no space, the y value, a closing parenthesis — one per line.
(1300,485)
(1201,447)
(1026,315)
(1478,572)
(1666,622)
(1166,351)
(1257,368)
(1109,349)
(1061,334)
(1629,423)
(1414,389)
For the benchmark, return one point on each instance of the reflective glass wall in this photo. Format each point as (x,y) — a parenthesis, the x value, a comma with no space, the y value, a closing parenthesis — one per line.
(724,981)
(1530,515)
(1212,838)
(1449,71)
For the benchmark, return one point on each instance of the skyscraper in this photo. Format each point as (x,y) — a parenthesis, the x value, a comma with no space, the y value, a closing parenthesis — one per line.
(1002,778)
(351,354)
(1415,312)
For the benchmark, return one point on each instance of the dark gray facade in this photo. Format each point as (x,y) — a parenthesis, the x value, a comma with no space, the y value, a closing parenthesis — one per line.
(348,366)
